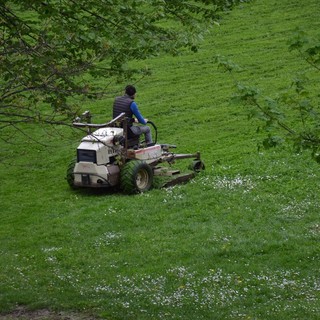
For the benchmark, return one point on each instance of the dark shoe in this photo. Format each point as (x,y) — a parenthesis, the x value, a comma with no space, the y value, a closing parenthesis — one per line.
(150,144)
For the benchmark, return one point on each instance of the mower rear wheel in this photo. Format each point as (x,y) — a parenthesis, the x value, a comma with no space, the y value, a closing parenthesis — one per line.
(135,177)
(70,175)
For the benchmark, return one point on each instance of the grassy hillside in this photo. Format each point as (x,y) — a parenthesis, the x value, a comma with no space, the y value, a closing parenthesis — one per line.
(241,241)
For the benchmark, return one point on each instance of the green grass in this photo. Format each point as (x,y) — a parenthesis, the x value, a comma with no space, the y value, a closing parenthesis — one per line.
(241,241)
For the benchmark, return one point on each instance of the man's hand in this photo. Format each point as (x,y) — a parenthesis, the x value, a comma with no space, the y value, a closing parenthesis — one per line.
(137,121)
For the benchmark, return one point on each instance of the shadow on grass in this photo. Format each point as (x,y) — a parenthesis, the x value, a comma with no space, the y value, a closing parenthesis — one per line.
(158,183)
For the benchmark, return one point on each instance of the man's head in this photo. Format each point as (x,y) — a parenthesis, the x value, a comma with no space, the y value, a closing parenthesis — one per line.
(130,90)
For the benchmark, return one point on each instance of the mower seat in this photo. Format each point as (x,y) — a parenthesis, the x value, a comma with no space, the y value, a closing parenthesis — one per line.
(132,139)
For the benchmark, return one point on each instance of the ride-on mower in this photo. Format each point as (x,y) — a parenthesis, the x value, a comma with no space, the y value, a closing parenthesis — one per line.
(112,157)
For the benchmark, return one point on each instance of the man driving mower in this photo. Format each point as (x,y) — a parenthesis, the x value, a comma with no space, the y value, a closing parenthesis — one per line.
(127,105)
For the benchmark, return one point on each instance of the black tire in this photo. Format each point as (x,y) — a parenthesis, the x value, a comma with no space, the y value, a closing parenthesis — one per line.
(197,166)
(70,175)
(135,177)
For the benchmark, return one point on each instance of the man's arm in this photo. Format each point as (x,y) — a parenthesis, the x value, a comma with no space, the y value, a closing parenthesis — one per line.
(135,110)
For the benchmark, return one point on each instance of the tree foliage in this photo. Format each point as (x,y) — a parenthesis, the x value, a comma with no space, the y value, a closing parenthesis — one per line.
(52,49)
(296,111)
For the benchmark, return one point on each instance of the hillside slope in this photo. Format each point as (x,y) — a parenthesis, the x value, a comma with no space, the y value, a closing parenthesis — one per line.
(241,241)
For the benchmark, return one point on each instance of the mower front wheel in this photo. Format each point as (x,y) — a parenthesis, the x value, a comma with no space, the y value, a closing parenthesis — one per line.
(197,166)
(136,177)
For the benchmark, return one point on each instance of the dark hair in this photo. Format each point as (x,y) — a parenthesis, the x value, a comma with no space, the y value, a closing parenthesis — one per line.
(130,90)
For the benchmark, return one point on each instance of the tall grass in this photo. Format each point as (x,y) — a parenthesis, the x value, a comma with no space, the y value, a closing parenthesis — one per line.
(241,241)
